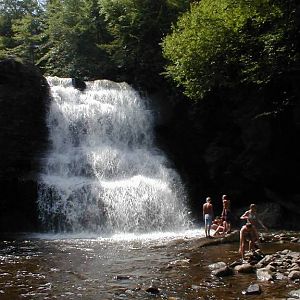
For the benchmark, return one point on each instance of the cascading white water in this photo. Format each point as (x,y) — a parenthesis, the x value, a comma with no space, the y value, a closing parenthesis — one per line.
(103,172)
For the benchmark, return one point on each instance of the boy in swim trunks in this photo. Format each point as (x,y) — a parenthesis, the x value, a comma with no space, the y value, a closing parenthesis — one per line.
(207,216)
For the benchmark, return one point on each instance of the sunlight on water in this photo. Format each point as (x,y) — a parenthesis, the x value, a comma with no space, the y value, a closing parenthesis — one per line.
(103,173)
(163,237)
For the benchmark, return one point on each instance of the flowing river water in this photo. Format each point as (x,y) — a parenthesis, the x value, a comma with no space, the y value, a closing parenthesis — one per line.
(123,267)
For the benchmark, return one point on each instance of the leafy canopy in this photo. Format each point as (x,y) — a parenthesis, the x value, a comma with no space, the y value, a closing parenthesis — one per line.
(137,28)
(225,43)
(20,25)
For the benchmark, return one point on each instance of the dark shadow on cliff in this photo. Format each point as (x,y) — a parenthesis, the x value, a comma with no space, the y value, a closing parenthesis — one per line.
(241,142)
(23,139)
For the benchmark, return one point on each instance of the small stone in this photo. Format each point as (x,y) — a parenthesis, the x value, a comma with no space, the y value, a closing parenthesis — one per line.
(196,287)
(129,292)
(294,267)
(222,272)
(244,268)
(280,276)
(294,275)
(217,265)
(253,289)
(122,277)
(270,267)
(264,274)
(235,263)
(152,290)
(295,294)
(294,255)
(266,260)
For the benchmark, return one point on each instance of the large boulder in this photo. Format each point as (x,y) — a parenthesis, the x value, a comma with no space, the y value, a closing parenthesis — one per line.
(23,138)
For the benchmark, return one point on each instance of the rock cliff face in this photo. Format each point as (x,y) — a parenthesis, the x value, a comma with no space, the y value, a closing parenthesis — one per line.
(23,137)
(242,143)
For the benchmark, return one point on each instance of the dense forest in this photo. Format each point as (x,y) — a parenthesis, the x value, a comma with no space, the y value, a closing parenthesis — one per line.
(200,45)
(226,74)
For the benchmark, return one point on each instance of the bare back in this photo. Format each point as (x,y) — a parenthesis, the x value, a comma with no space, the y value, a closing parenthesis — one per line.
(207,208)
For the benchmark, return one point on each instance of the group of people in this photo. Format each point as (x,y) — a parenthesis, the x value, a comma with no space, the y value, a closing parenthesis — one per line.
(222,224)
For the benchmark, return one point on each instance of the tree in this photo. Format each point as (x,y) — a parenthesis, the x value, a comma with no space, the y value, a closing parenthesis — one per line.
(73,30)
(20,26)
(226,43)
(137,28)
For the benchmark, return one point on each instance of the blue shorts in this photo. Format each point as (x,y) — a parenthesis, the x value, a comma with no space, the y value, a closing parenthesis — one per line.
(207,220)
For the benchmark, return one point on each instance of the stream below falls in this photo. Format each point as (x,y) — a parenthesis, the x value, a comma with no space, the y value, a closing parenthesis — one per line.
(48,266)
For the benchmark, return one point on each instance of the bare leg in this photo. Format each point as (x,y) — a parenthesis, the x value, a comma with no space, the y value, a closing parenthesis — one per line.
(225,226)
(242,249)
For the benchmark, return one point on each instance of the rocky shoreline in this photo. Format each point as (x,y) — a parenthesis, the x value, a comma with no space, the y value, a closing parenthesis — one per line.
(256,275)
(270,268)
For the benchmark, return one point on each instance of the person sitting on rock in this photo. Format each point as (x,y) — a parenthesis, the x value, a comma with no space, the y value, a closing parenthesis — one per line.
(248,235)
(251,217)
(217,225)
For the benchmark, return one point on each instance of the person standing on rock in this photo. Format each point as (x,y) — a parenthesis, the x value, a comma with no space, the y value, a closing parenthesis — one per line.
(251,217)
(247,235)
(226,214)
(208,213)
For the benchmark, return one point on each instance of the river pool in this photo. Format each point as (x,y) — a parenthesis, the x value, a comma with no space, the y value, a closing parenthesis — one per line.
(35,266)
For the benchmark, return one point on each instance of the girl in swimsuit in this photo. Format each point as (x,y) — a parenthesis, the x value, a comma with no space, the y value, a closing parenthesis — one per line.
(251,217)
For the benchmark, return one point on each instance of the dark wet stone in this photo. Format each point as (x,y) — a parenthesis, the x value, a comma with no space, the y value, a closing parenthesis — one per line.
(78,84)
(152,290)
(122,277)
(222,272)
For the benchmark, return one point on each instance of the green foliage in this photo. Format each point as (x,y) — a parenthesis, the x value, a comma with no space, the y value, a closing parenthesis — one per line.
(73,29)
(116,39)
(19,28)
(231,42)
(136,28)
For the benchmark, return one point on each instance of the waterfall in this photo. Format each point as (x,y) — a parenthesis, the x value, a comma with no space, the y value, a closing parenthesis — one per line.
(103,172)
